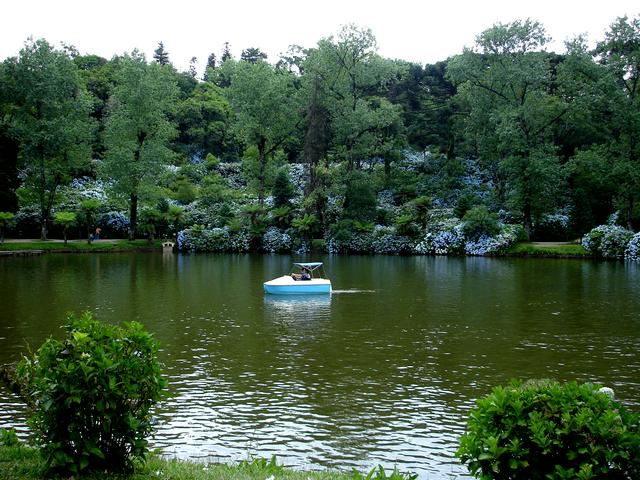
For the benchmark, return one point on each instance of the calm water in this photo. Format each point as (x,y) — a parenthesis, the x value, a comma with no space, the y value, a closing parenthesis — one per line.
(384,370)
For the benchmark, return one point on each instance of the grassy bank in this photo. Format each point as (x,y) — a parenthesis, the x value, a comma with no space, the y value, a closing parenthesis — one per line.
(81,246)
(560,250)
(24,463)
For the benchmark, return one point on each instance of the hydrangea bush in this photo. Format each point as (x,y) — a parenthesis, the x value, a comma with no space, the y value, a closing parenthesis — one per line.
(632,252)
(274,240)
(492,245)
(443,242)
(200,239)
(607,241)
(116,223)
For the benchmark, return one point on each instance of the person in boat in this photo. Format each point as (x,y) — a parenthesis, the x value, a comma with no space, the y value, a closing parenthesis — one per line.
(306,274)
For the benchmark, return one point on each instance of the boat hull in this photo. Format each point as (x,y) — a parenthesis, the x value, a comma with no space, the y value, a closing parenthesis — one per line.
(286,285)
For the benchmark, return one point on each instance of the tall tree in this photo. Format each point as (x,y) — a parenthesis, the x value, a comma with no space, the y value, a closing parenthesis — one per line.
(193,67)
(203,121)
(51,121)
(226,52)
(252,55)
(138,130)
(160,55)
(210,67)
(263,100)
(354,79)
(506,85)
(620,53)
(8,147)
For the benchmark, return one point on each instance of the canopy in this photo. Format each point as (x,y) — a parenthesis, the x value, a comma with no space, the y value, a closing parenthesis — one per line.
(308,264)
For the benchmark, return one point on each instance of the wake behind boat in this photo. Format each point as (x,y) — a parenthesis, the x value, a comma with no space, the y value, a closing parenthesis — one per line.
(307,280)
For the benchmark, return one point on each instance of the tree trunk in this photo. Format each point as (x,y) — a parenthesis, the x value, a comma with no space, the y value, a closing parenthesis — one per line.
(528,221)
(43,230)
(64,234)
(133,216)
(262,160)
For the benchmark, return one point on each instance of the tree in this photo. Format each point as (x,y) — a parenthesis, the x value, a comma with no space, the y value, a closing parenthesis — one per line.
(263,100)
(138,130)
(51,121)
(193,67)
(506,86)
(203,121)
(209,67)
(6,218)
(282,189)
(160,55)
(252,55)
(620,54)
(65,220)
(349,78)
(89,208)
(226,53)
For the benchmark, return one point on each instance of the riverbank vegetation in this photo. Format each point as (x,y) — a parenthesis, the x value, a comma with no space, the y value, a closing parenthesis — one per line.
(329,147)
(76,246)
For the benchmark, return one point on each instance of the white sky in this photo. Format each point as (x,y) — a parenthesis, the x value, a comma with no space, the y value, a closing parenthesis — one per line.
(424,31)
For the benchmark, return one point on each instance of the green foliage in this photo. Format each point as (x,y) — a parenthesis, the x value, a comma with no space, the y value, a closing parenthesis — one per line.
(6,219)
(379,473)
(282,190)
(282,216)
(305,225)
(66,220)
(9,437)
(406,225)
(479,221)
(138,130)
(262,466)
(50,118)
(89,207)
(544,429)
(360,199)
(92,394)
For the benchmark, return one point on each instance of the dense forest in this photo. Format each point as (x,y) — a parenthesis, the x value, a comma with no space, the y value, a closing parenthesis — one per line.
(332,146)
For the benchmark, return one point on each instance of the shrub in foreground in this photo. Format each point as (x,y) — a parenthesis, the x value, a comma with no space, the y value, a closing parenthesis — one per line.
(547,430)
(91,395)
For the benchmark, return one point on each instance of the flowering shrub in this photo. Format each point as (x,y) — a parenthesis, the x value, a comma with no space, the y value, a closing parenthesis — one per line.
(114,223)
(553,226)
(491,245)
(607,241)
(200,239)
(632,252)
(275,240)
(442,242)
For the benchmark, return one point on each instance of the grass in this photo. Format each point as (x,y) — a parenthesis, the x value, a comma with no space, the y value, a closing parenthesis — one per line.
(21,462)
(527,249)
(82,245)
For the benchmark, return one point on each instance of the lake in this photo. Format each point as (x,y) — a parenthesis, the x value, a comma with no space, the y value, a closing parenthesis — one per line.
(385,370)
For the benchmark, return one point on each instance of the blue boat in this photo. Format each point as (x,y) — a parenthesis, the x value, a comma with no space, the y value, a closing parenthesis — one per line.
(305,281)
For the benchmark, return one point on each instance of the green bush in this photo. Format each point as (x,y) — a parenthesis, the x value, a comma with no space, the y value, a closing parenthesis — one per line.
(9,437)
(92,394)
(478,221)
(547,430)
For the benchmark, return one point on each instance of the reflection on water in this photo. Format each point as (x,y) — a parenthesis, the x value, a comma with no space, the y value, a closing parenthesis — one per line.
(383,370)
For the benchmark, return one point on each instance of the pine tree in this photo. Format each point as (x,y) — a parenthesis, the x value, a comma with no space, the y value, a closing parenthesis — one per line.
(160,55)
(226,52)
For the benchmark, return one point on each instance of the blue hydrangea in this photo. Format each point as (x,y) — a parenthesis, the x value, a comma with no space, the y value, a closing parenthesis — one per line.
(607,241)
(275,240)
(632,252)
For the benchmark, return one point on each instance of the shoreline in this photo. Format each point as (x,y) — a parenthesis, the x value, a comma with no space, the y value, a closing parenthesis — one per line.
(27,247)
